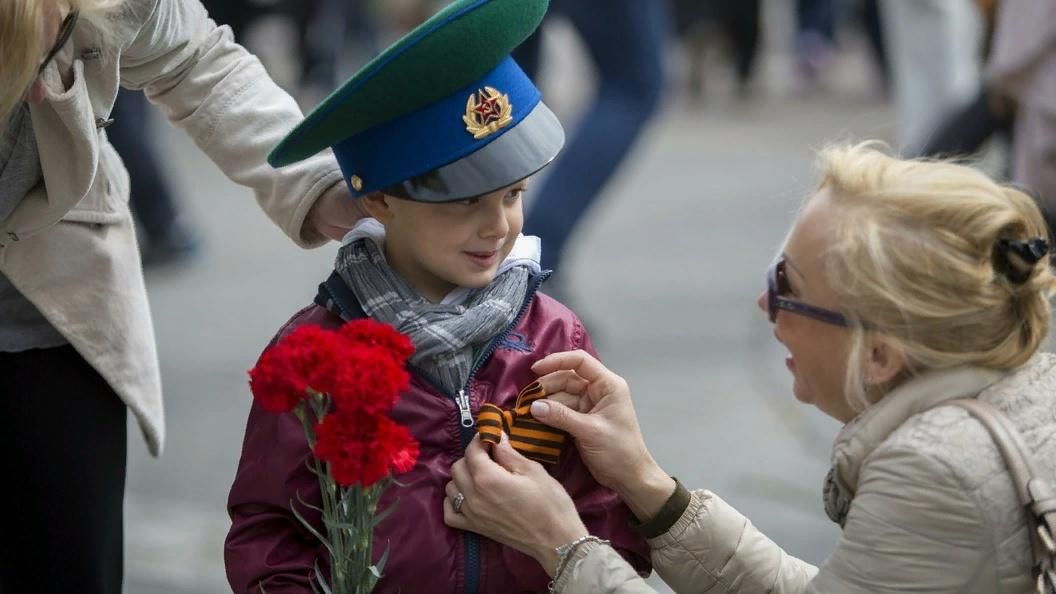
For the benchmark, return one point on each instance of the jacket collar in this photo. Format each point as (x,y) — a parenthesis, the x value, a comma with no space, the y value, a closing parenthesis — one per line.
(876,423)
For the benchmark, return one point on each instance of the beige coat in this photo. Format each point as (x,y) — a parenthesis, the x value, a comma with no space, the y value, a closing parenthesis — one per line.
(70,247)
(934,508)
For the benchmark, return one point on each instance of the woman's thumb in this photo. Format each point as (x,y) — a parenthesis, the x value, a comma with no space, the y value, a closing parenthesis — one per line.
(559,416)
(507,457)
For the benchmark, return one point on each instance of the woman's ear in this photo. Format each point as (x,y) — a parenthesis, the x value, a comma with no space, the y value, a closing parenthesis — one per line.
(883,362)
(378,206)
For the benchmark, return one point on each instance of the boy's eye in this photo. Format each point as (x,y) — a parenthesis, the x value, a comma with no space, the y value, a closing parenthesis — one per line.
(515,193)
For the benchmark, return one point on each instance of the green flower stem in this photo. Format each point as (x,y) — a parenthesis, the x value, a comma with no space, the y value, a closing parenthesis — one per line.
(348,512)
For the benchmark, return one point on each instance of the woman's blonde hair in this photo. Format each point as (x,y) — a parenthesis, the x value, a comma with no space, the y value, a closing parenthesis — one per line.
(23,43)
(914,256)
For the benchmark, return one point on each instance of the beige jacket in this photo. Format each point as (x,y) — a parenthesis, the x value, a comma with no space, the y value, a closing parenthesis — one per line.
(70,246)
(933,511)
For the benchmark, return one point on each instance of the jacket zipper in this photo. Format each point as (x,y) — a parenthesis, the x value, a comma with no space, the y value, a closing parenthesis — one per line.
(465,419)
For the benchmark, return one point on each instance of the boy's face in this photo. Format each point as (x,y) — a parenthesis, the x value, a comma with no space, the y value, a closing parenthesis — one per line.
(438,247)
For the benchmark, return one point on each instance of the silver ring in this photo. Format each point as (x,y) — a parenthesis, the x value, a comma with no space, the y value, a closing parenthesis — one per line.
(457,502)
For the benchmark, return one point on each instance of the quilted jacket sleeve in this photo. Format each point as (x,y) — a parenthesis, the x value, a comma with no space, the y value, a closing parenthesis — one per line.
(912,528)
(712,548)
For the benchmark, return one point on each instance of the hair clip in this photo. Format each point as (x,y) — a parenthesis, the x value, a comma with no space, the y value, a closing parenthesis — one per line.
(1030,252)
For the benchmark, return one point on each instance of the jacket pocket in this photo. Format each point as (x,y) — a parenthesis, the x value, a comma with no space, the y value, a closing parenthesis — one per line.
(106,201)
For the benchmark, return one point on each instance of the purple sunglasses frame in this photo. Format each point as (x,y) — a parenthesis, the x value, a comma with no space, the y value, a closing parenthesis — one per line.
(775,301)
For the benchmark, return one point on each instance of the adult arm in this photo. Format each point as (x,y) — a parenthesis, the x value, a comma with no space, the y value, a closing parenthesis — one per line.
(221,95)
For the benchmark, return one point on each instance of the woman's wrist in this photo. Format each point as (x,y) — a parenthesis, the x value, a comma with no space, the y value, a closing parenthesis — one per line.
(545,552)
(646,491)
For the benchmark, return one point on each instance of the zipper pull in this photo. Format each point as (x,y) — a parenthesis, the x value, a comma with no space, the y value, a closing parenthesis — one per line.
(463,408)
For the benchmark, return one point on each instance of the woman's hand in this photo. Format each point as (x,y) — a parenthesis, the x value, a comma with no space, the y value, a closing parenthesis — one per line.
(594,405)
(335,213)
(512,500)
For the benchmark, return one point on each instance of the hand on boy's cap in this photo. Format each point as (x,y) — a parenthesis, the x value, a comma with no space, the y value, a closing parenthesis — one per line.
(335,213)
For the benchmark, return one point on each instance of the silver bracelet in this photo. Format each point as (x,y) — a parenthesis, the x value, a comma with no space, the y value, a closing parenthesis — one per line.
(564,555)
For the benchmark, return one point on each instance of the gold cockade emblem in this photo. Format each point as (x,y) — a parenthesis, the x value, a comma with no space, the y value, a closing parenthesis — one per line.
(487,111)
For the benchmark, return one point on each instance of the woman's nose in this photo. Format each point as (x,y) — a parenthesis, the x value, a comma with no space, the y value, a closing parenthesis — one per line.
(763,303)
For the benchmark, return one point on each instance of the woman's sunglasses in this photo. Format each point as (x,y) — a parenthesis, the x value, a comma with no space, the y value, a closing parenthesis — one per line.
(777,287)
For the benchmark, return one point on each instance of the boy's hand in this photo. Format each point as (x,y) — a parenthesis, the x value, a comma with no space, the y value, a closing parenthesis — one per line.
(335,213)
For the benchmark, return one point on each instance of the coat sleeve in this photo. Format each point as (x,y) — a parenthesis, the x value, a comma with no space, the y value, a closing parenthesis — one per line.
(711,548)
(911,528)
(267,548)
(221,95)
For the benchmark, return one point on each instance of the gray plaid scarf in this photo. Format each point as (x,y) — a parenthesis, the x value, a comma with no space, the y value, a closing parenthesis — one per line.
(447,336)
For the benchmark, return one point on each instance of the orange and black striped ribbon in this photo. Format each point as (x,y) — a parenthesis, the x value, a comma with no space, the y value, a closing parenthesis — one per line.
(529,437)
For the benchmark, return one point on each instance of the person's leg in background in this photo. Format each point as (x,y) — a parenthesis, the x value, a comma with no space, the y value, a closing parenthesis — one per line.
(815,37)
(742,22)
(321,35)
(63,438)
(237,14)
(934,51)
(1034,157)
(628,49)
(874,33)
(167,236)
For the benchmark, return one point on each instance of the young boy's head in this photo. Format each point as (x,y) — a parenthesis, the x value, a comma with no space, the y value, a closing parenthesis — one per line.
(437,246)
(438,136)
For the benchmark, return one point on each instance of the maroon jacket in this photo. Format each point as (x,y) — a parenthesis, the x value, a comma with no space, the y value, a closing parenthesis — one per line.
(268,547)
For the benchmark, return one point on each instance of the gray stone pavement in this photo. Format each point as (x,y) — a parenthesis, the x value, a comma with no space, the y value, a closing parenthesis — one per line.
(666,270)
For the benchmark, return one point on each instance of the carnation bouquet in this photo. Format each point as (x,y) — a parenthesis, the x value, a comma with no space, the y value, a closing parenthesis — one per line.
(341,385)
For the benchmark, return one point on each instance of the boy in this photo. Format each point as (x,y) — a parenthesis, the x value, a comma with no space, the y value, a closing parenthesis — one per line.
(437,137)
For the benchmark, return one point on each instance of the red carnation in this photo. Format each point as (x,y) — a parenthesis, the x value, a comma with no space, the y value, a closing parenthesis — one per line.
(372,333)
(309,357)
(363,449)
(368,380)
(276,385)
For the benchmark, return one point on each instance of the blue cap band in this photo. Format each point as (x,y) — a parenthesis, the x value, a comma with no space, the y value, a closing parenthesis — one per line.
(395,151)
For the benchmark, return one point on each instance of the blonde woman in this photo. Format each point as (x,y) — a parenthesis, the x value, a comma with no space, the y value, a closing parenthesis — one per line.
(76,343)
(902,285)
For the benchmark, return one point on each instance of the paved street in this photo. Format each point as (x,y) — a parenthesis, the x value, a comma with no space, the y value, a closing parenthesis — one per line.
(666,271)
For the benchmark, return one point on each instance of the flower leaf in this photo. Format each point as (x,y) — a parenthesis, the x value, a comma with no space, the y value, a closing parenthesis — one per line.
(379,567)
(310,528)
(380,517)
(325,587)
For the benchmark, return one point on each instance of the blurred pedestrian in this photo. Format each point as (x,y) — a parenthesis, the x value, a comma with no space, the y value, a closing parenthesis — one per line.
(697,22)
(1022,70)
(627,46)
(933,49)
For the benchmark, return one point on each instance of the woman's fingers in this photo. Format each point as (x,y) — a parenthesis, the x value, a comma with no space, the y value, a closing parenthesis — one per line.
(570,400)
(454,519)
(451,489)
(586,366)
(564,380)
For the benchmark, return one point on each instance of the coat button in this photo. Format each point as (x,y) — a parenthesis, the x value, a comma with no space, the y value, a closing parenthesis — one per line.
(102,123)
(91,53)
